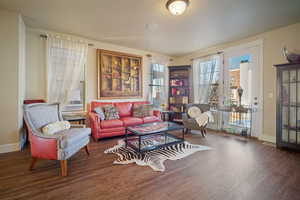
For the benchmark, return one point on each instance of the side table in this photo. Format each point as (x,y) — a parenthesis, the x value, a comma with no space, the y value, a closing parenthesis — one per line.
(77,119)
(167,115)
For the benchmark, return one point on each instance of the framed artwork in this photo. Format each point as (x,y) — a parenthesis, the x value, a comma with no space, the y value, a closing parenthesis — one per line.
(119,75)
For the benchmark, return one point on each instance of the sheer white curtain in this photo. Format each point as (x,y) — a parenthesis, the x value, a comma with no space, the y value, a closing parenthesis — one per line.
(157,84)
(66,59)
(206,75)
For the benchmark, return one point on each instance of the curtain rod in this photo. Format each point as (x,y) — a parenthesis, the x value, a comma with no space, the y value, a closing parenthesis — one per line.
(46,36)
(211,54)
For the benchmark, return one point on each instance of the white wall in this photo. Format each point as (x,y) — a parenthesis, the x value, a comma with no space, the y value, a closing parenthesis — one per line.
(12,86)
(22,75)
(36,75)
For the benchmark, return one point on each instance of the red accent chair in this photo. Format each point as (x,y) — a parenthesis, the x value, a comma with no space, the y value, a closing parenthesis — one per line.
(60,146)
(29,101)
(116,127)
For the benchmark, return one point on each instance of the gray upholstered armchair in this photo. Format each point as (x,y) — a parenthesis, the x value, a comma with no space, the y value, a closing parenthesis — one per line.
(60,146)
(190,123)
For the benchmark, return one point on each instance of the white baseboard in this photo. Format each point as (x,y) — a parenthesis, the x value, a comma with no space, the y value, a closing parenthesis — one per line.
(5,148)
(268,138)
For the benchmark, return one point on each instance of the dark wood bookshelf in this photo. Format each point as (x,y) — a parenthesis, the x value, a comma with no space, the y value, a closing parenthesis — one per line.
(179,90)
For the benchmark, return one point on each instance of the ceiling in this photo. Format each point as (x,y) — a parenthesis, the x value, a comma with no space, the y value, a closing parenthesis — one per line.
(147,24)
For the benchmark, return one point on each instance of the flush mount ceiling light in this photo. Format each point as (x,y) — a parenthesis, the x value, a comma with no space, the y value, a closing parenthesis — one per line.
(177,7)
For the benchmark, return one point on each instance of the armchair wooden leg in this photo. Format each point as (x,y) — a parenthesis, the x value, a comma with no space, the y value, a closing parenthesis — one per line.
(203,132)
(95,139)
(186,131)
(64,167)
(32,163)
(87,150)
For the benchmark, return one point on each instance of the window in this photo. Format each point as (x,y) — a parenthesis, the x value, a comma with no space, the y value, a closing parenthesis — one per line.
(66,73)
(206,74)
(157,85)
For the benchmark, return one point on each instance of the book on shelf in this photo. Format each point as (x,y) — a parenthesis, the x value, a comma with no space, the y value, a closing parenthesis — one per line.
(172,100)
(180,73)
(185,100)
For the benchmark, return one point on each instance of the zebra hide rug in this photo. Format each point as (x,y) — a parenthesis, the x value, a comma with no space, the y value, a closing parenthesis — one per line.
(155,159)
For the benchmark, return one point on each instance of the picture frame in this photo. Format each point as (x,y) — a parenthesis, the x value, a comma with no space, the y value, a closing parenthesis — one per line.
(119,75)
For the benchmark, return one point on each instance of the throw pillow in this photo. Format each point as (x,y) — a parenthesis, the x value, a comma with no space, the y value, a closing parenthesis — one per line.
(148,110)
(55,127)
(111,112)
(143,110)
(138,111)
(100,112)
(202,120)
(194,112)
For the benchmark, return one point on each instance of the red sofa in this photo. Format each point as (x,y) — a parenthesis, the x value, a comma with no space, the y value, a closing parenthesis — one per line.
(114,127)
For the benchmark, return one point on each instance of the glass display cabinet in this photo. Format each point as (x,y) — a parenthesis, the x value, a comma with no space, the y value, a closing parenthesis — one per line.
(288,106)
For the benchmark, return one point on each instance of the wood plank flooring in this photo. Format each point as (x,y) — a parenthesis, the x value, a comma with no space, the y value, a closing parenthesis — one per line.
(236,169)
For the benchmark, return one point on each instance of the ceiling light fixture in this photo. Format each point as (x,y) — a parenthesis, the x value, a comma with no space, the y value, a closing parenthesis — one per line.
(177,7)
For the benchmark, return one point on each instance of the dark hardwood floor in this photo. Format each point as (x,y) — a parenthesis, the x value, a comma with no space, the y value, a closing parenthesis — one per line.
(236,169)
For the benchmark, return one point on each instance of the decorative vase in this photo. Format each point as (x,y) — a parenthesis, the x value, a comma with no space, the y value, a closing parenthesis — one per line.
(240,93)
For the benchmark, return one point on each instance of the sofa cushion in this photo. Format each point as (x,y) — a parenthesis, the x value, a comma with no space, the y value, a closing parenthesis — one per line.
(148,110)
(73,136)
(138,103)
(95,104)
(100,112)
(116,129)
(124,108)
(111,112)
(112,123)
(143,110)
(138,111)
(150,119)
(131,121)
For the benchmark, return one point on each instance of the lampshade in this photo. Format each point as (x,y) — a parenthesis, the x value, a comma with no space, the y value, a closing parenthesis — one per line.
(177,7)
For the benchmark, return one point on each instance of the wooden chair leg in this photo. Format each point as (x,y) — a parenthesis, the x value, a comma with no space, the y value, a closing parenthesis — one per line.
(32,163)
(87,150)
(95,140)
(203,132)
(186,131)
(64,167)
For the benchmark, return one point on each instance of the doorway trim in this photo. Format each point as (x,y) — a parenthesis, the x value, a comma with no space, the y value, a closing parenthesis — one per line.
(254,43)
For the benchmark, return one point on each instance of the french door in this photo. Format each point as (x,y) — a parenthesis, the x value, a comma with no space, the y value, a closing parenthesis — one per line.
(242,70)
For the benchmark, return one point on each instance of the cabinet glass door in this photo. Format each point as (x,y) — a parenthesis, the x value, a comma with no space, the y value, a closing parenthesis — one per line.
(290,112)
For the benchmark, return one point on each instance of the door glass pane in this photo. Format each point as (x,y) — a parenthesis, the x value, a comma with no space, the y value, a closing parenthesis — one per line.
(285,93)
(293,75)
(293,93)
(284,136)
(292,136)
(285,76)
(298,72)
(285,116)
(292,117)
(298,94)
